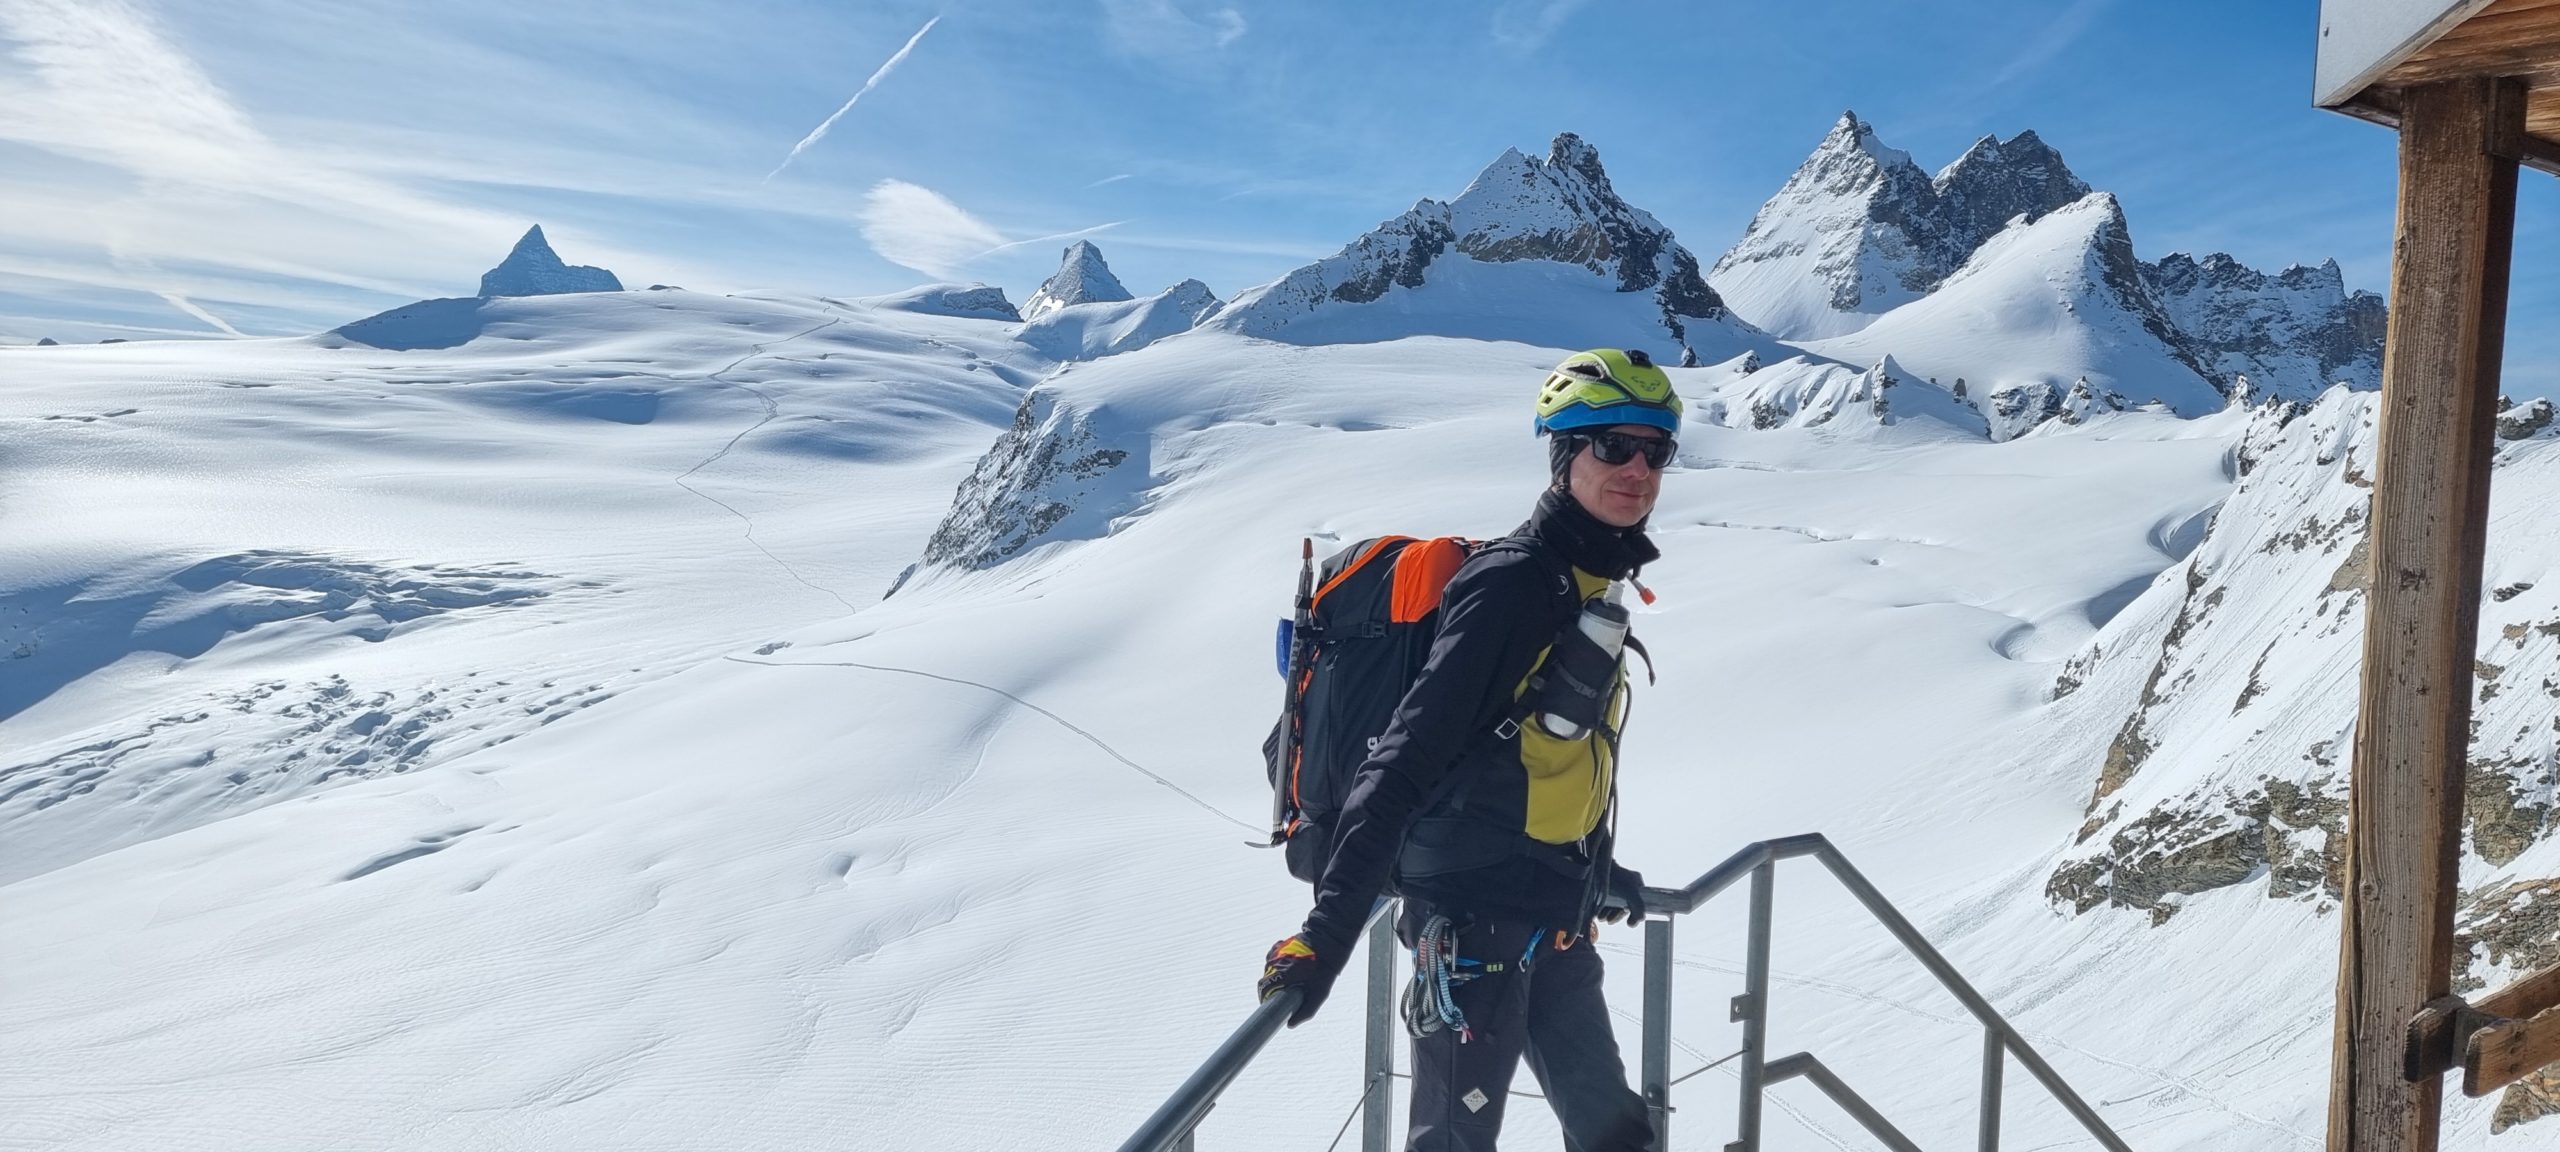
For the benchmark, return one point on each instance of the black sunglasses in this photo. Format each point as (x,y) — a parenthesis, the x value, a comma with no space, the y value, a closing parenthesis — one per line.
(1615,448)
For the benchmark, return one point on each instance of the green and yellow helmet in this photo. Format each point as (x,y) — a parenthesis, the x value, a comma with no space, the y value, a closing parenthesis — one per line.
(1607,386)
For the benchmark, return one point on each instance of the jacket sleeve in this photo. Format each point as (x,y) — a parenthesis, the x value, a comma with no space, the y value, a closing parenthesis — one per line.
(1493,623)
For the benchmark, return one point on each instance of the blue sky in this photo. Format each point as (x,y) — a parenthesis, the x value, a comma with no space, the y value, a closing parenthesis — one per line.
(272,167)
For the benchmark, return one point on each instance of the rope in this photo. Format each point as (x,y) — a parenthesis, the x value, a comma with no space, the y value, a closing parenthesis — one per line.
(1705,1067)
(1060,721)
(1356,1106)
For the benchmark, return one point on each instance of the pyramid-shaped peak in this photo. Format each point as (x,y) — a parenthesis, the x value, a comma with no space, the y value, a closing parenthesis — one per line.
(534,245)
(533,269)
(1082,278)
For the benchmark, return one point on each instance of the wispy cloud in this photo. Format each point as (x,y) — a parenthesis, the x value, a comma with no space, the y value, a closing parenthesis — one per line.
(140,157)
(2048,42)
(882,73)
(1163,30)
(1526,26)
(916,227)
(1111,180)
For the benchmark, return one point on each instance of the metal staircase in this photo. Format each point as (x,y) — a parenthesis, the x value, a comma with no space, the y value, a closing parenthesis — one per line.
(1170,1128)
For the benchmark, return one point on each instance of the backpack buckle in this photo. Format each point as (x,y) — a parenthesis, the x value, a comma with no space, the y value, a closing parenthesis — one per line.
(1507,729)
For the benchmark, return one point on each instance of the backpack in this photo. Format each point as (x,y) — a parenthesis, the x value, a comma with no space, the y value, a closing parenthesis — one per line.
(1364,626)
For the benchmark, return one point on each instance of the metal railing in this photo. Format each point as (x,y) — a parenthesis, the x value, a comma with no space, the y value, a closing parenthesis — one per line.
(1170,1128)
(1759,862)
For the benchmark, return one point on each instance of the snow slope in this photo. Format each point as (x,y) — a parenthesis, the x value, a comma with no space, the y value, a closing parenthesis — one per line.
(1090,331)
(244,570)
(2040,308)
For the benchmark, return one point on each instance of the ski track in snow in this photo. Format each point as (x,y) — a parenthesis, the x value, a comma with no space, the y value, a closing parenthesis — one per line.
(772,410)
(1060,721)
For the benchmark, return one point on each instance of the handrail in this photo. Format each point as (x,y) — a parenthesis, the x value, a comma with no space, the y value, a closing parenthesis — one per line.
(1172,1123)
(1169,1129)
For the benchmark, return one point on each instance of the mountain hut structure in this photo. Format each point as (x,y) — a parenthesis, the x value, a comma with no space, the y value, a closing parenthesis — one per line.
(2473,88)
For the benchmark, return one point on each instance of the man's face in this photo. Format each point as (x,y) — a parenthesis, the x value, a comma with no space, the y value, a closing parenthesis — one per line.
(1620,495)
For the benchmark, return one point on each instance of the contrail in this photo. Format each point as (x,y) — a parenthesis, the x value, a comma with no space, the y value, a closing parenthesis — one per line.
(1059,236)
(189,307)
(820,132)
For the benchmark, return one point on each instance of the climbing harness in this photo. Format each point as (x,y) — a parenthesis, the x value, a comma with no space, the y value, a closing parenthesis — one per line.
(1430,1003)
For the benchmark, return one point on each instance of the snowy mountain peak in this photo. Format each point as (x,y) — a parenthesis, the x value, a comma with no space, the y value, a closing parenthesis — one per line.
(1082,278)
(1850,135)
(533,269)
(1540,250)
(1853,233)
(1859,229)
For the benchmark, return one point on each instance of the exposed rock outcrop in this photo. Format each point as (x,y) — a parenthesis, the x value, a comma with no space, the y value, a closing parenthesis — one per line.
(1048,468)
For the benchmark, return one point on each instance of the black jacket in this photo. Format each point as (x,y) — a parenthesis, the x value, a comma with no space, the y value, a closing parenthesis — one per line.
(1498,614)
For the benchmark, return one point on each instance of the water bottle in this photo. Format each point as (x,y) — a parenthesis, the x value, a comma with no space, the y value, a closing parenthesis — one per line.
(1604,623)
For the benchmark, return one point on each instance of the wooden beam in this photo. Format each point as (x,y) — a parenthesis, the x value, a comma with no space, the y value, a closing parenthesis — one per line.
(2508,1051)
(2446,332)
(2525,995)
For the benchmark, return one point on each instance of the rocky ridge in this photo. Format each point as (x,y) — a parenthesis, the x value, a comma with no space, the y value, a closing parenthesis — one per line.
(2290,335)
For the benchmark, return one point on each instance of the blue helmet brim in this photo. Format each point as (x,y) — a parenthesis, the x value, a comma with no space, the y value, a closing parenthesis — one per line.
(1614,414)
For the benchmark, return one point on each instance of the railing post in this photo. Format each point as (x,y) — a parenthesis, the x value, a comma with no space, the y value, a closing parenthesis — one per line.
(1751,1009)
(1377,1119)
(1656,1055)
(1995,1053)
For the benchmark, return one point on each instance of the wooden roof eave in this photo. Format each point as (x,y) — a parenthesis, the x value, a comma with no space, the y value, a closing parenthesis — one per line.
(2517,39)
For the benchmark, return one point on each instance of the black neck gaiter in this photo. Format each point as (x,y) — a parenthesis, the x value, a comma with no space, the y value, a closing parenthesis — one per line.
(1587,543)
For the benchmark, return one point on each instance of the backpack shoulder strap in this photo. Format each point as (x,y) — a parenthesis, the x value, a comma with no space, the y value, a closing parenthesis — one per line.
(1567,597)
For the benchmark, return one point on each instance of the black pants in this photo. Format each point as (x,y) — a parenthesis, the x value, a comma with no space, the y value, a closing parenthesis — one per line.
(1549,1010)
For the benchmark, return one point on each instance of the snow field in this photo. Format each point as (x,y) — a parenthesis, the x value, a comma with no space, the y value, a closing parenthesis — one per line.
(966,867)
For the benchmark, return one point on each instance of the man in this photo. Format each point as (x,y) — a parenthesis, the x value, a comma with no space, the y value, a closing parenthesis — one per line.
(1495,830)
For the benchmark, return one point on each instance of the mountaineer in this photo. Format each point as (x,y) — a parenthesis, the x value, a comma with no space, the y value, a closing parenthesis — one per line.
(1488,801)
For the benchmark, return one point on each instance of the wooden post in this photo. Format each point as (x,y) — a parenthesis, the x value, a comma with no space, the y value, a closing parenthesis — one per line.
(2459,140)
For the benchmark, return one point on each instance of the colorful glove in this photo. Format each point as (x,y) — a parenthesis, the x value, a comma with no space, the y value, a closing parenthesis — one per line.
(1626,896)
(1297,963)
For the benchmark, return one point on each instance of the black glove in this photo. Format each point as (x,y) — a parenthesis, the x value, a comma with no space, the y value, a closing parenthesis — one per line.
(1301,963)
(1626,896)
